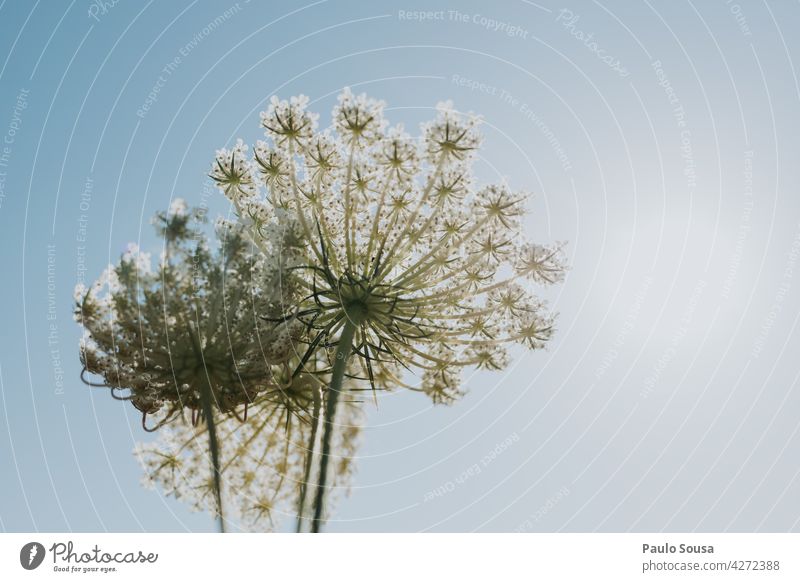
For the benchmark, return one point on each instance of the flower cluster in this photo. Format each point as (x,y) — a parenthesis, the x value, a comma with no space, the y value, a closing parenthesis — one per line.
(158,337)
(433,272)
(360,257)
(264,461)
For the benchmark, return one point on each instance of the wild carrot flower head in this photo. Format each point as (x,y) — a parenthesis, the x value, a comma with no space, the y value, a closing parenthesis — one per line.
(433,270)
(262,460)
(157,336)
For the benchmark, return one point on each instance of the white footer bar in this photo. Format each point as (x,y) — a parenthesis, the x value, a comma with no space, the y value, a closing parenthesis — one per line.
(401,557)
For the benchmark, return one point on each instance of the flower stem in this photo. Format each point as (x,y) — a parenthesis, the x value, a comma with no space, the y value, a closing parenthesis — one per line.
(309,458)
(213,444)
(343,349)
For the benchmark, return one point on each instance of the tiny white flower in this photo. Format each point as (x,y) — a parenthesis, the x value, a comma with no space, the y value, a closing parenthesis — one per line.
(178,207)
(358,119)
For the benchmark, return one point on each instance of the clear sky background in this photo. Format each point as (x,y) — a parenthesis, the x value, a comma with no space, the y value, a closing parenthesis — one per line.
(664,148)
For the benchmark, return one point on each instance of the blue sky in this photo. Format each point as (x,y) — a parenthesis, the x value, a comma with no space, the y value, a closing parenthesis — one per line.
(658,138)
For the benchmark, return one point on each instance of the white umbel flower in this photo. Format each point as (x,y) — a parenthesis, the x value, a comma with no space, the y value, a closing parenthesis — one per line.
(401,243)
(156,338)
(408,265)
(263,459)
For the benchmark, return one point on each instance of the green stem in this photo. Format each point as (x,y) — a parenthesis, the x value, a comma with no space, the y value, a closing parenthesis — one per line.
(213,444)
(309,458)
(343,349)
